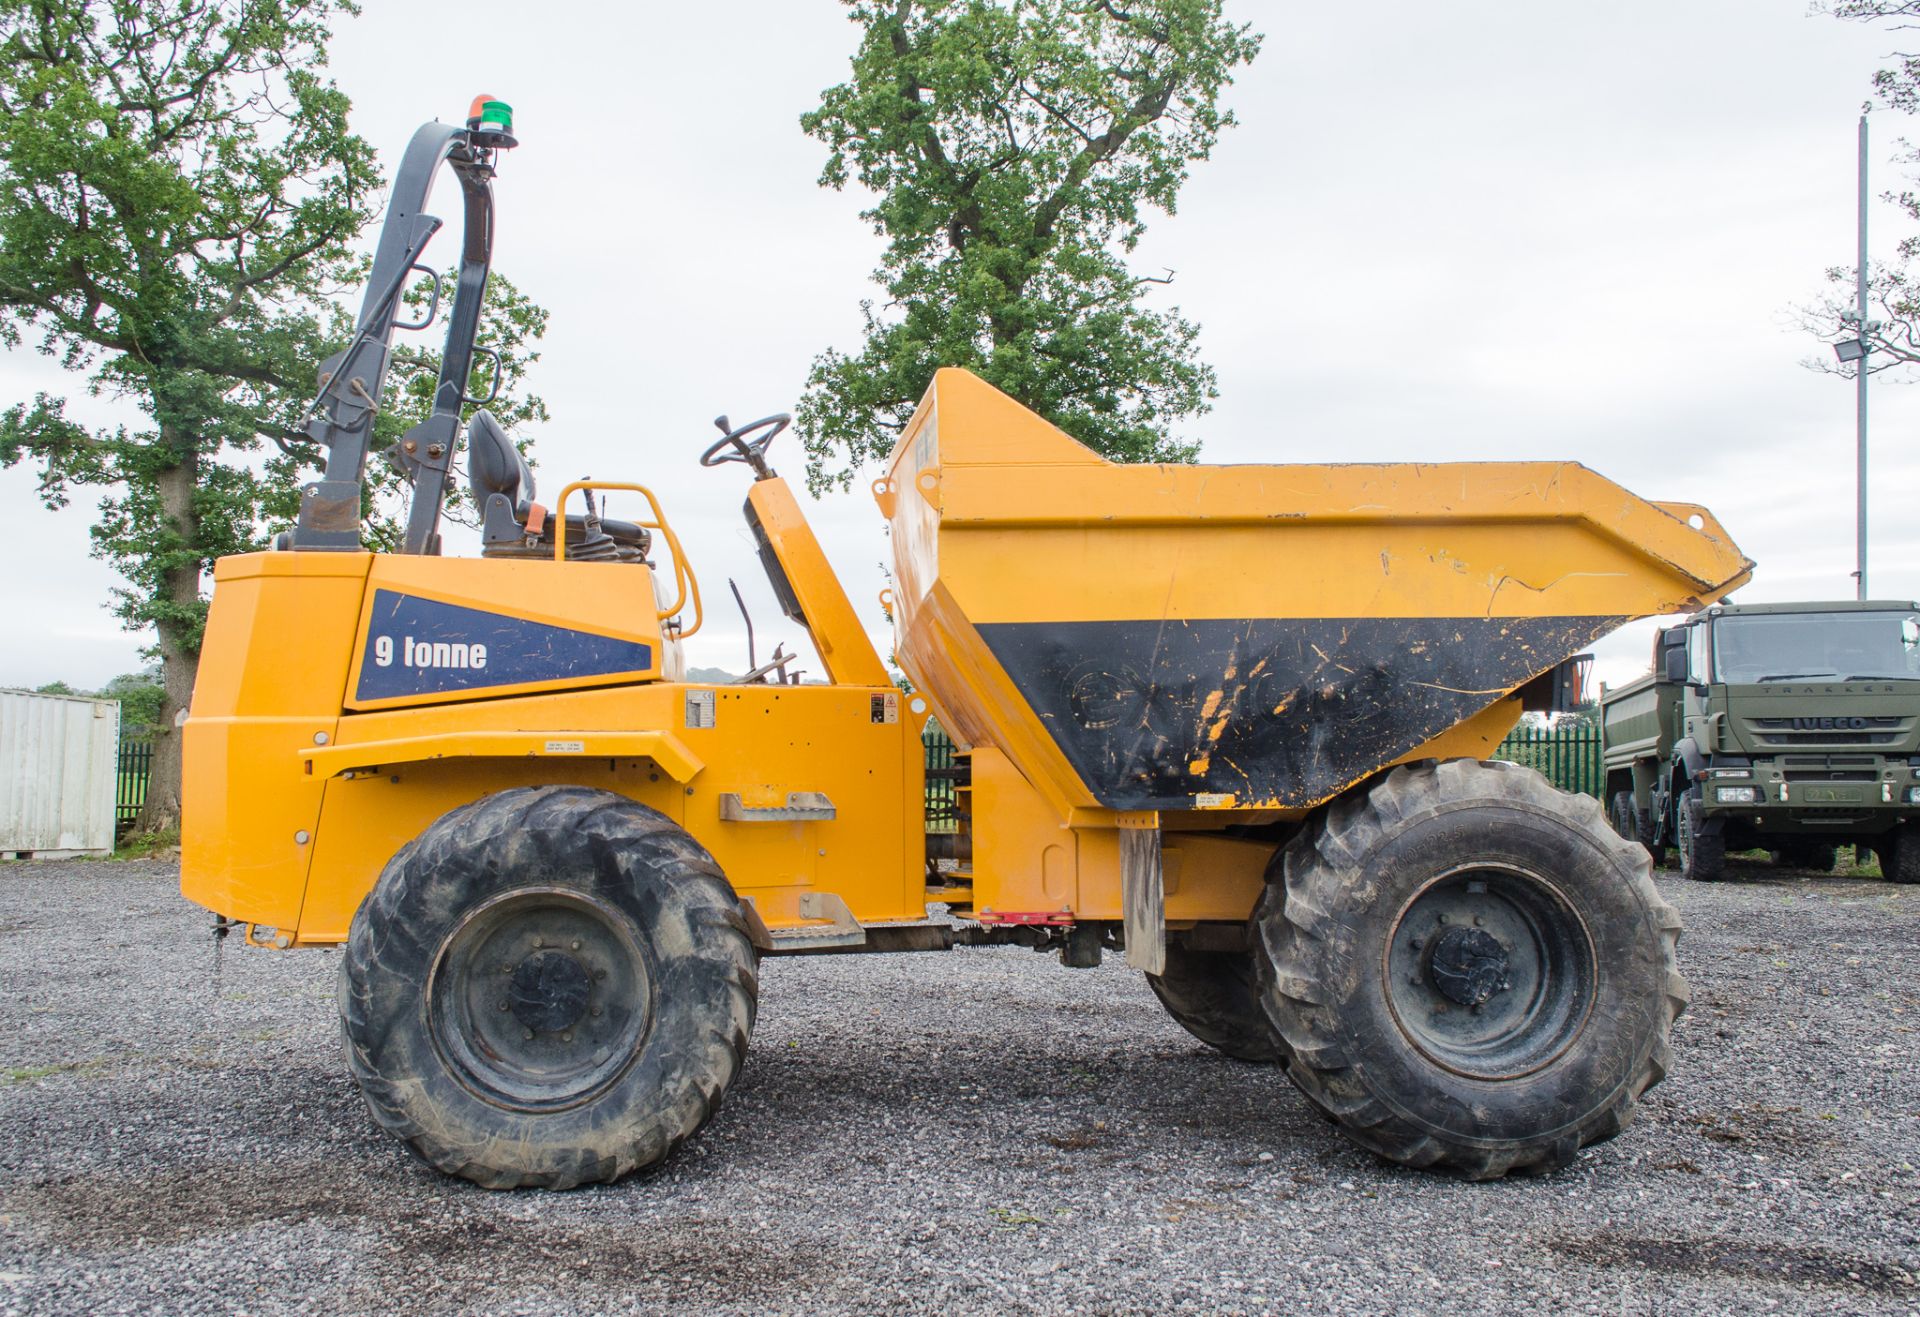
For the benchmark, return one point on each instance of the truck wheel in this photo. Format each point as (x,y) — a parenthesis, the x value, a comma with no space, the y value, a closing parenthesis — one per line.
(1656,850)
(1628,824)
(1703,855)
(1469,969)
(1899,853)
(1815,857)
(1213,996)
(550,986)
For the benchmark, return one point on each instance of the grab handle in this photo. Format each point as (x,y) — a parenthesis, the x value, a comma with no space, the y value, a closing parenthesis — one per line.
(685,586)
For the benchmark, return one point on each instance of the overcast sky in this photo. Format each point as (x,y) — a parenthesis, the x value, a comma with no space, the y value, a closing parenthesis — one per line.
(1441,232)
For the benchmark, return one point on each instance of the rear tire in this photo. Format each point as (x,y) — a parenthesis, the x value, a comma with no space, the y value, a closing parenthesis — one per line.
(1626,823)
(1213,996)
(1899,853)
(1629,824)
(1703,855)
(1454,885)
(551,986)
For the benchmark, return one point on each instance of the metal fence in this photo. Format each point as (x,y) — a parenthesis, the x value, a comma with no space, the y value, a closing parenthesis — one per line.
(1568,755)
(944,774)
(130,786)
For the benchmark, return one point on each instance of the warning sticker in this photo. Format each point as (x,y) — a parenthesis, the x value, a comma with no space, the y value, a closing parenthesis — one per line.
(1212,800)
(886,708)
(699,708)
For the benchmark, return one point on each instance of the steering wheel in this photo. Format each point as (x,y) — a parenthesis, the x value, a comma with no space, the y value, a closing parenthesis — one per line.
(736,445)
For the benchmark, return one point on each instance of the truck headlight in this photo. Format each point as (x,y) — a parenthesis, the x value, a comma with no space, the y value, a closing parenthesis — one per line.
(1736,795)
(1913,795)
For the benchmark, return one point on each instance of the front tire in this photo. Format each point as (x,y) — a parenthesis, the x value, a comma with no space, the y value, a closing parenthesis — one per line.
(1703,854)
(1470,971)
(549,987)
(1213,995)
(1899,854)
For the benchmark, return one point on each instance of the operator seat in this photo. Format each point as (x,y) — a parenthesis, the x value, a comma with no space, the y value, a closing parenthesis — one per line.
(495,466)
(512,525)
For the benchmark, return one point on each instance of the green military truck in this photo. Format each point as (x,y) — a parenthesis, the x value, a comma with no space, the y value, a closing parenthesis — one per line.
(1793,728)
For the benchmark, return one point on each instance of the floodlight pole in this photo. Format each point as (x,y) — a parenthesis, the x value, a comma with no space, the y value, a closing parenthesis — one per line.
(1860,402)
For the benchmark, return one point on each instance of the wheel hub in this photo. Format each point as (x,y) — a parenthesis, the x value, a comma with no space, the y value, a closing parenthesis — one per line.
(540,998)
(550,991)
(1468,966)
(1489,971)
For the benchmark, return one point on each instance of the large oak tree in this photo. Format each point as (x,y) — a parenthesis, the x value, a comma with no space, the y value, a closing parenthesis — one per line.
(1013,149)
(181,197)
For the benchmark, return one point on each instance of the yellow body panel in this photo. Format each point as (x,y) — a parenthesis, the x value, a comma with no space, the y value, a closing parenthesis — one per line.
(765,743)
(297,793)
(273,666)
(831,622)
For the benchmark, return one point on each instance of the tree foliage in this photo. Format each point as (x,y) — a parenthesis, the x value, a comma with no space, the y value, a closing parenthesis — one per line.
(181,198)
(1013,149)
(1898,85)
(139,695)
(1893,287)
(511,325)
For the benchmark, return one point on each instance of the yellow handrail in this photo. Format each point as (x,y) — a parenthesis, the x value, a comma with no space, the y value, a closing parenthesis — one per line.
(683,579)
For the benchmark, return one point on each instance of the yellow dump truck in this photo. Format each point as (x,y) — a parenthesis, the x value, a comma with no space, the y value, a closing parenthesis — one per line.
(1228,720)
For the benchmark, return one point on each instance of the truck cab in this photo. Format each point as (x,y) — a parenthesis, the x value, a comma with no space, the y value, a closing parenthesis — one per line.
(1790,727)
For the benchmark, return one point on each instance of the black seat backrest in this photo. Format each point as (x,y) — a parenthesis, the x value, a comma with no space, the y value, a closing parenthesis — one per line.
(494,465)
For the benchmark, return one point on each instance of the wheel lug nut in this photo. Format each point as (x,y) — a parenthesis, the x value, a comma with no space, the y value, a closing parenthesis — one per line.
(529,1035)
(599,974)
(504,1006)
(1418,943)
(1478,922)
(1443,919)
(567,1037)
(576,944)
(596,1010)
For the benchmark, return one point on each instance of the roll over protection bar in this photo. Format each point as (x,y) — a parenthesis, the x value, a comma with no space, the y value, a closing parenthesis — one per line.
(351,380)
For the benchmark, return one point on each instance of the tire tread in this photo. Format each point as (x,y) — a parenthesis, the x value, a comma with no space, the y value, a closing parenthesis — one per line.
(1312,870)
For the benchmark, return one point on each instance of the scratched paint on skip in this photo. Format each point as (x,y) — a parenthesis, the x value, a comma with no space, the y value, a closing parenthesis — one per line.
(1271,709)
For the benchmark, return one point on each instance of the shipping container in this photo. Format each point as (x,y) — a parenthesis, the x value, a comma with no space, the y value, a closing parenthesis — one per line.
(58,759)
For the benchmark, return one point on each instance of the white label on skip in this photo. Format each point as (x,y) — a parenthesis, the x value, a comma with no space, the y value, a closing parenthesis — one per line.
(566,747)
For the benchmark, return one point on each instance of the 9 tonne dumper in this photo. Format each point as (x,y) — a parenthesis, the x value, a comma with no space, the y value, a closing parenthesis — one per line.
(1231,720)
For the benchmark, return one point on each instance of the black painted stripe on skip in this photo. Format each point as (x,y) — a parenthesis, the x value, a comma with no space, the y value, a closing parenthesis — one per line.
(1266,709)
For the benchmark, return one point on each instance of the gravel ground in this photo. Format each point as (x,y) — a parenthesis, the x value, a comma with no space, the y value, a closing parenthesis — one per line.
(979,1131)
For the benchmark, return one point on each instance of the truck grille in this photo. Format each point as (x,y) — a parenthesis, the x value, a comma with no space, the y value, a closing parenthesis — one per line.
(1788,733)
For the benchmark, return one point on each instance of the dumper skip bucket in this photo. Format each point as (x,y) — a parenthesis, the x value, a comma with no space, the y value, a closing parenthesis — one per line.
(1166,637)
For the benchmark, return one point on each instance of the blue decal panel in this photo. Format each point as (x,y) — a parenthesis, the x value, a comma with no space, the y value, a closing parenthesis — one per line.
(421,646)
